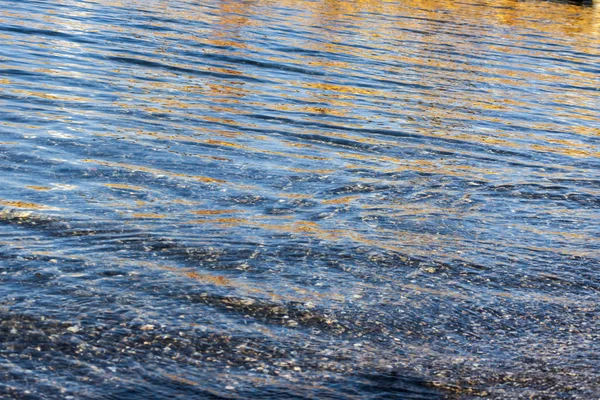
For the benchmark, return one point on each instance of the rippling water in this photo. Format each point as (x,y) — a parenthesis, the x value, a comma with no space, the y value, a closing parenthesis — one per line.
(299,199)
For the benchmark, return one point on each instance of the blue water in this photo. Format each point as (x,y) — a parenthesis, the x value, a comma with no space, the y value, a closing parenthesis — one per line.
(299,199)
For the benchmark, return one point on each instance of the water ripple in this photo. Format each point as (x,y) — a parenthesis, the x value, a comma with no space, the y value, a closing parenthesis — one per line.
(309,199)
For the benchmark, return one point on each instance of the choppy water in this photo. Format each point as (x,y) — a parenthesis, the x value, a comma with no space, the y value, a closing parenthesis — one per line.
(299,199)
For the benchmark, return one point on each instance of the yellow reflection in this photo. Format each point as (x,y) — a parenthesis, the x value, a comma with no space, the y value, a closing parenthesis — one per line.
(26,205)
(215,212)
(124,186)
(39,188)
(148,216)
(154,171)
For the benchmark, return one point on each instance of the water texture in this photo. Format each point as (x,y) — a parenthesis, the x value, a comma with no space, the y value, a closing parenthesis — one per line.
(299,199)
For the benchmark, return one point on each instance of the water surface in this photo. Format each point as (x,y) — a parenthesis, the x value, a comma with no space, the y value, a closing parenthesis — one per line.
(299,199)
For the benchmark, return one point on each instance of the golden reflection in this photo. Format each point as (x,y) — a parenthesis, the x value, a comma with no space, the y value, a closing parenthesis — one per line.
(124,186)
(414,33)
(215,212)
(471,108)
(154,171)
(341,200)
(245,288)
(148,216)
(295,195)
(39,188)
(26,205)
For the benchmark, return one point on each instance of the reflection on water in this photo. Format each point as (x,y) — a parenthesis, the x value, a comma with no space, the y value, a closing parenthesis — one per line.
(299,199)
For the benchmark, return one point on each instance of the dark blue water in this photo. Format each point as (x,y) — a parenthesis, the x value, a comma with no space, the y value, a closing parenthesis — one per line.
(299,199)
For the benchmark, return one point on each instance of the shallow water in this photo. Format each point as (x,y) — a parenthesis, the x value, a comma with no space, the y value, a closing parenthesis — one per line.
(299,199)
